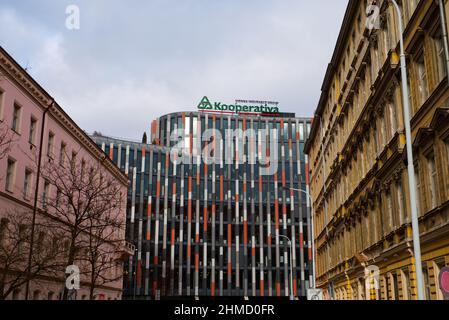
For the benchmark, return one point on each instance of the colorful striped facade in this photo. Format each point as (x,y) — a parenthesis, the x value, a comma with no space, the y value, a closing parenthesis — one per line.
(205,230)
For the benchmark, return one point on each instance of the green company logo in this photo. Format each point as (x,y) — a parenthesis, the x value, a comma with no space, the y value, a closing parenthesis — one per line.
(205,104)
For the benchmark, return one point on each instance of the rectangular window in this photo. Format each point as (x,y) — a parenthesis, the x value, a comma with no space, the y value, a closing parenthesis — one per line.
(45,194)
(73,160)
(447,152)
(400,195)
(393,118)
(427,290)
(383,131)
(3,228)
(395,286)
(410,97)
(33,124)
(441,58)
(51,141)
(58,197)
(406,284)
(27,184)
(422,78)
(22,236)
(433,180)
(386,37)
(62,154)
(15,125)
(10,171)
(390,212)
(2,95)
(387,287)
(418,190)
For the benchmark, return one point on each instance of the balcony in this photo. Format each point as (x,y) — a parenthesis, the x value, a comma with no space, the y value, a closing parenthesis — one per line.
(125,250)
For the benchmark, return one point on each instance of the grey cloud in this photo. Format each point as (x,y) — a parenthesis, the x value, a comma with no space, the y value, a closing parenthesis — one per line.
(135,60)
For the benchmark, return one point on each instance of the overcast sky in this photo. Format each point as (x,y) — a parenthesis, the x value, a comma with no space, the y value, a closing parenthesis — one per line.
(132,61)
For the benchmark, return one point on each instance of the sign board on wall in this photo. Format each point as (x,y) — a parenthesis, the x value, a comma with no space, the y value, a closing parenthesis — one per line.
(251,107)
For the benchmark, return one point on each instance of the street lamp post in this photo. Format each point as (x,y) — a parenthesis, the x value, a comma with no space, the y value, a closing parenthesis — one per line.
(410,165)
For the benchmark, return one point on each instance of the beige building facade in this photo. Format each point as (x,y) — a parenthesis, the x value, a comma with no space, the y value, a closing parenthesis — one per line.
(358,163)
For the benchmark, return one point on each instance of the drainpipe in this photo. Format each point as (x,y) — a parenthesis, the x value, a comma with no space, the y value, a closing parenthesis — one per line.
(444,32)
(36,194)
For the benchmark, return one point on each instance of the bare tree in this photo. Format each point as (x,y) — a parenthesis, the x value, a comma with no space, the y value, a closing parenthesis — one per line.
(14,248)
(103,241)
(85,199)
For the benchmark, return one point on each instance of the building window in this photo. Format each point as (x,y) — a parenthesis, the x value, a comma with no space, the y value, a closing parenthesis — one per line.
(393,118)
(36,295)
(384,131)
(62,154)
(58,198)
(45,194)
(2,95)
(433,180)
(390,211)
(387,287)
(3,228)
(27,184)
(427,290)
(441,58)
(422,78)
(410,97)
(400,195)
(386,36)
(406,284)
(15,125)
(33,124)
(418,190)
(410,6)
(16,294)
(10,170)
(395,286)
(447,152)
(50,144)
(73,160)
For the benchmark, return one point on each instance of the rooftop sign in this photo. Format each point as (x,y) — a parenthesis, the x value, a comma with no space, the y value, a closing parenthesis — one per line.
(240,107)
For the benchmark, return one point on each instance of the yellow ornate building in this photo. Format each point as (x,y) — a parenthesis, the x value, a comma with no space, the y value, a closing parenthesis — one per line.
(358,161)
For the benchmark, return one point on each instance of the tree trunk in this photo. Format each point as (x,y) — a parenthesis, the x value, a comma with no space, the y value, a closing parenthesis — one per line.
(70,261)
(92,285)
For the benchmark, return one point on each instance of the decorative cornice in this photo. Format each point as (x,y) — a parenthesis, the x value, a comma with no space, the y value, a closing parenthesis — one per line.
(18,75)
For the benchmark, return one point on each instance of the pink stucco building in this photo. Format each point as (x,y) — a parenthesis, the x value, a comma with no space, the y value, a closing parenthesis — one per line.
(35,122)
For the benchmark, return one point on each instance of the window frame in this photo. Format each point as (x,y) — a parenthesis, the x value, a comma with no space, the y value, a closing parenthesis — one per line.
(62,153)
(16,121)
(432,173)
(421,75)
(50,144)
(27,182)
(10,175)
(2,103)
(32,131)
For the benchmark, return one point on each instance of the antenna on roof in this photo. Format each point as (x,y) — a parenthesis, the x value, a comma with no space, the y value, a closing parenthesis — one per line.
(27,67)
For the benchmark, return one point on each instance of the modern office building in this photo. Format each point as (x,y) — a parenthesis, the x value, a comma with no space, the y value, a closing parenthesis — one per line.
(359,180)
(35,134)
(206,228)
